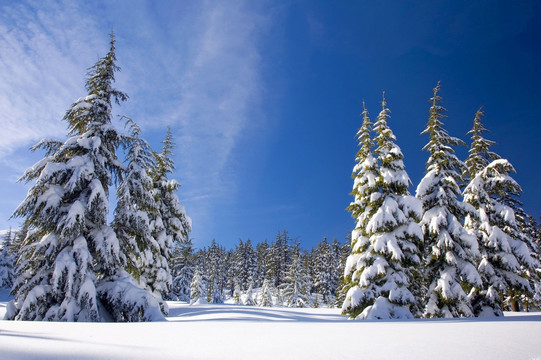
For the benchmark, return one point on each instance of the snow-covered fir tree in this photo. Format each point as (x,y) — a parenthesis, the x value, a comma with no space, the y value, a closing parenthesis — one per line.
(244,264)
(324,270)
(364,184)
(136,205)
(344,282)
(197,288)
(15,248)
(71,262)
(8,259)
(521,232)
(278,258)
(386,251)
(531,229)
(450,251)
(503,254)
(170,226)
(231,272)
(364,179)
(518,232)
(249,298)
(479,154)
(497,263)
(216,272)
(316,304)
(266,294)
(297,284)
(337,270)
(236,292)
(214,291)
(261,263)
(182,269)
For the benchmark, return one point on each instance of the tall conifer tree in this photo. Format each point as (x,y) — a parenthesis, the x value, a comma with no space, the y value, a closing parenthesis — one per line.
(450,252)
(506,259)
(71,260)
(170,226)
(387,251)
(136,205)
(182,270)
(296,286)
(479,154)
(364,184)
(8,259)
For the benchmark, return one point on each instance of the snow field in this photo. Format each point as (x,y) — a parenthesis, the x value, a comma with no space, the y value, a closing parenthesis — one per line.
(246,332)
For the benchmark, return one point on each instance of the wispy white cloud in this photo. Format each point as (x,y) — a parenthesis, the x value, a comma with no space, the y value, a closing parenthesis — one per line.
(220,86)
(45,45)
(220,92)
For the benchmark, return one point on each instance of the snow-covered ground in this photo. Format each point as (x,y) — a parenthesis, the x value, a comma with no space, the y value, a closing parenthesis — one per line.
(243,332)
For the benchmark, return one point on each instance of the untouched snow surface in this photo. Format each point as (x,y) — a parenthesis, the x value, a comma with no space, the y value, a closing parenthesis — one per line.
(247,332)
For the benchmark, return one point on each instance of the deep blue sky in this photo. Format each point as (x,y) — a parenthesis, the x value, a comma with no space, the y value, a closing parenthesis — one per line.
(264,97)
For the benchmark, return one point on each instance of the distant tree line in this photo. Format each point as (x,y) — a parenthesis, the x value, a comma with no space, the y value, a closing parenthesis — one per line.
(279,273)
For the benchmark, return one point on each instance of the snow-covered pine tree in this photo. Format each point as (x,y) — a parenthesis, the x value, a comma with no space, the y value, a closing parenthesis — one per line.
(518,232)
(216,272)
(336,269)
(296,288)
(315,305)
(343,283)
(136,205)
(230,272)
(266,294)
(169,227)
(279,296)
(364,175)
(278,258)
(364,184)
(450,251)
(479,154)
(8,259)
(261,264)
(386,252)
(249,299)
(251,263)
(504,256)
(522,233)
(15,247)
(197,288)
(532,231)
(214,292)
(182,269)
(236,292)
(324,270)
(70,261)
(244,263)
(486,299)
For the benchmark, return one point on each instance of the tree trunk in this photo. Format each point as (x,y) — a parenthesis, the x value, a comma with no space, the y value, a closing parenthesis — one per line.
(514,305)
